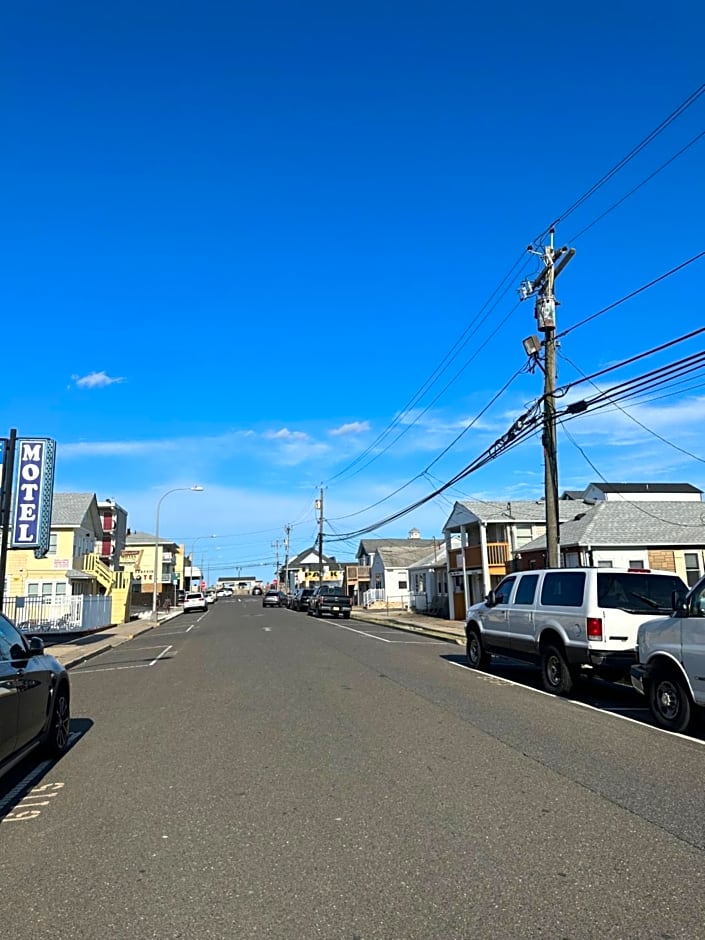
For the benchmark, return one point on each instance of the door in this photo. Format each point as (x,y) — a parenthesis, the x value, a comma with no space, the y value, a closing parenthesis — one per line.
(693,642)
(521,616)
(32,678)
(494,619)
(9,701)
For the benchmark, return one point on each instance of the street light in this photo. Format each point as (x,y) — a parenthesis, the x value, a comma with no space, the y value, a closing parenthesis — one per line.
(195,489)
(193,558)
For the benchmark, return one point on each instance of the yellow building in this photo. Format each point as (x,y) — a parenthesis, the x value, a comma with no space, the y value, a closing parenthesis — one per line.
(137,559)
(72,567)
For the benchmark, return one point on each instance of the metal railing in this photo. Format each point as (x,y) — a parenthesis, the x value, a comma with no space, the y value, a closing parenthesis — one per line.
(71,614)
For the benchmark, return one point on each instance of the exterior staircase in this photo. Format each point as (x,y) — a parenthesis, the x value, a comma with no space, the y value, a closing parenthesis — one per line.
(114,583)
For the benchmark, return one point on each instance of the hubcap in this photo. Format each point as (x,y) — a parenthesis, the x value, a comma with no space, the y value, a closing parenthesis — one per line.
(553,670)
(668,700)
(474,649)
(62,722)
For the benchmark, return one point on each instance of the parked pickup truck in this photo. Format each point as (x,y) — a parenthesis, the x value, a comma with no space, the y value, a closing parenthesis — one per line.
(329,599)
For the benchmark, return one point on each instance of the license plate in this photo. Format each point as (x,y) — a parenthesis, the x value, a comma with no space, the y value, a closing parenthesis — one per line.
(336,608)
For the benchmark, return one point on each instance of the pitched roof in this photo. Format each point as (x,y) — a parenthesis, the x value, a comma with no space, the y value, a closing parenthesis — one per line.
(646,487)
(70,508)
(370,546)
(298,561)
(648,523)
(437,558)
(146,538)
(507,511)
(406,553)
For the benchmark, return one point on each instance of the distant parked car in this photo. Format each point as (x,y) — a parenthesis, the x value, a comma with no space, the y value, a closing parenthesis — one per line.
(195,600)
(300,599)
(223,593)
(36,693)
(273,599)
(211,597)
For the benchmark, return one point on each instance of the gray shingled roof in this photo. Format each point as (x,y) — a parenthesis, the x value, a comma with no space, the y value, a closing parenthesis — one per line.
(405,554)
(70,508)
(519,510)
(146,538)
(650,523)
(646,487)
(370,546)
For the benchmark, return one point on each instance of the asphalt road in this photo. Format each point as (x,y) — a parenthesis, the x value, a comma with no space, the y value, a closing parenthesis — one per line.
(254,773)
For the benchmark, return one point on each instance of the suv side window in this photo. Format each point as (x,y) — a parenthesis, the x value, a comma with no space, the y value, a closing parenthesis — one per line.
(563,589)
(697,601)
(526,589)
(503,590)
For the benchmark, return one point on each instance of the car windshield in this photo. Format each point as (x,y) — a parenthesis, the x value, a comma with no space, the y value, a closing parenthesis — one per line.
(638,592)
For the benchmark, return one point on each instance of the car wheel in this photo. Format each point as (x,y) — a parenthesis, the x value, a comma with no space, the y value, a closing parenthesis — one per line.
(57,739)
(476,656)
(555,671)
(346,616)
(669,700)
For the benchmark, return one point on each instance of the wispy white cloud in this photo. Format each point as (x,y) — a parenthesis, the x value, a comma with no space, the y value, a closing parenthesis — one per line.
(354,427)
(284,434)
(95,380)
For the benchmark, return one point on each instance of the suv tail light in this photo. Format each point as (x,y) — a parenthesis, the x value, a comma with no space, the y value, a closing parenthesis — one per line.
(594,628)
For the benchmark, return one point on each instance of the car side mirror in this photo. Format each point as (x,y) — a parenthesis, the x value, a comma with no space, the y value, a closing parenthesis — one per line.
(36,646)
(679,604)
(491,599)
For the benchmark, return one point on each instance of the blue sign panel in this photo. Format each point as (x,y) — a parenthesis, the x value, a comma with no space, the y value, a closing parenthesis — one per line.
(33,494)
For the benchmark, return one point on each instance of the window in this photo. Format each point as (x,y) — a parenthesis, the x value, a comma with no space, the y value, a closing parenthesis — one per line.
(526,589)
(503,590)
(604,564)
(692,568)
(403,585)
(563,589)
(523,534)
(9,637)
(636,563)
(53,536)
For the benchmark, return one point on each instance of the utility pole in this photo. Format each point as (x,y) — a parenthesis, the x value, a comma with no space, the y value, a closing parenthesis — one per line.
(275,545)
(319,507)
(287,530)
(545,313)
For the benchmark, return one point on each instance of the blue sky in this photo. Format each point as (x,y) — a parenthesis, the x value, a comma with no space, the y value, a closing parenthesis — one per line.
(237,239)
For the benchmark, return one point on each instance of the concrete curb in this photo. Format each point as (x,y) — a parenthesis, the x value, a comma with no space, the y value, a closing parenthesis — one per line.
(439,633)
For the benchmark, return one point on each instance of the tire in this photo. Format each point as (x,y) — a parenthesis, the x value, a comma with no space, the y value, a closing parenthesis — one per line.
(670,702)
(346,616)
(557,676)
(475,654)
(57,739)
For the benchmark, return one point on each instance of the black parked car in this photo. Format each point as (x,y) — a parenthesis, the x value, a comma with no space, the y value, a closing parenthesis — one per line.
(300,599)
(34,698)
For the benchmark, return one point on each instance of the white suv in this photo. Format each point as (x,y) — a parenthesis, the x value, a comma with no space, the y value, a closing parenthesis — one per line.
(671,667)
(195,600)
(568,620)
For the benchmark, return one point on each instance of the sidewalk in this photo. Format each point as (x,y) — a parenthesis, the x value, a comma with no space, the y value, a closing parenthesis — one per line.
(82,648)
(451,630)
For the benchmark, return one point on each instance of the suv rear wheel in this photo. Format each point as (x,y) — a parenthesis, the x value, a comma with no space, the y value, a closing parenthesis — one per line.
(556,674)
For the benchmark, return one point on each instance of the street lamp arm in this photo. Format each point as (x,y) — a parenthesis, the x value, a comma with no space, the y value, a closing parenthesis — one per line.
(196,489)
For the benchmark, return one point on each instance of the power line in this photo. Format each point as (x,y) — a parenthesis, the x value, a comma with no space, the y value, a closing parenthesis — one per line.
(631,192)
(674,115)
(634,293)
(636,420)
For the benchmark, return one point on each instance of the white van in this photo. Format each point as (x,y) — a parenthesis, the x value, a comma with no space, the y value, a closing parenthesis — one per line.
(671,667)
(569,619)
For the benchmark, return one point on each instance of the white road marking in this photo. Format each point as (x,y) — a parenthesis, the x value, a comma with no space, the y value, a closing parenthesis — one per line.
(500,680)
(163,653)
(164,650)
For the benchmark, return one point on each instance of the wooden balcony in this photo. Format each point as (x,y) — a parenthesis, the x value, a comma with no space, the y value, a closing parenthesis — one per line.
(357,573)
(497,557)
